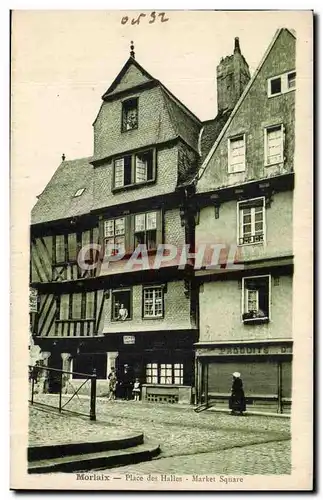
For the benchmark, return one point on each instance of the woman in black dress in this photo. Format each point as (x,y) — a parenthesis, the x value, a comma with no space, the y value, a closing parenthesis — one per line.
(237,401)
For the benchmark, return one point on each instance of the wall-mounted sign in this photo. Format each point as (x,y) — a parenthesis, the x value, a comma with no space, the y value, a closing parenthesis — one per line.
(246,350)
(33,300)
(129,339)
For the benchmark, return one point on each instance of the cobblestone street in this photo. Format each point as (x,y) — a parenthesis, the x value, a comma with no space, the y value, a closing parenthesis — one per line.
(200,443)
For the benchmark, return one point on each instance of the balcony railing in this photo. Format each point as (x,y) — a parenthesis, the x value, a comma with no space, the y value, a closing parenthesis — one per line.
(75,328)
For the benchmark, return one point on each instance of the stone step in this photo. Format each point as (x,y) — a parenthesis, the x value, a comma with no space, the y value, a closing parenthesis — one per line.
(94,461)
(43,452)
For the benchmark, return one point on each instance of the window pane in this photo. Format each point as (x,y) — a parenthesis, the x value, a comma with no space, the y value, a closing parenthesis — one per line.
(275,86)
(151,240)
(119,172)
(141,169)
(119,226)
(151,220)
(140,222)
(252,300)
(60,248)
(291,80)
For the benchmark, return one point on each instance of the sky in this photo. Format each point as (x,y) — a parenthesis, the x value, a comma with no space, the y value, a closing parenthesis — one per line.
(63,61)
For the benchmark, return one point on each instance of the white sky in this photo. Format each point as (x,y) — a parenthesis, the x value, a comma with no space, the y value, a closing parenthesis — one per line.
(63,61)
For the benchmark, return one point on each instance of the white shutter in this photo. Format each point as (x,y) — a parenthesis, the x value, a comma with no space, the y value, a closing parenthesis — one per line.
(237,154)
(119,172)
(274,147)
(141,170)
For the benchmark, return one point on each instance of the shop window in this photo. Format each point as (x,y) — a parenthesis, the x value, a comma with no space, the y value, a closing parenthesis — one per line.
(153,302)
(129,114)
(121,305)
(136,168)
(84,364)
(251,221)
(236,154)
(165,373)
(274,145)
(114,234)
(146,230)
(256,299)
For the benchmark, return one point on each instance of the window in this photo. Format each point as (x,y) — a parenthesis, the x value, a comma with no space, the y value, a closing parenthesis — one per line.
(121,305)
(291,80)
(130,114)
(143,167)
(65,248)
(153,303)
(146,230)
(134,169)
(256,298)
(164,373)
(86,363)
(275,86)
(274,145)
(76,306)
(122,171)
(236,154)
(281,84)
(251,221)
(79,192)
(114,234)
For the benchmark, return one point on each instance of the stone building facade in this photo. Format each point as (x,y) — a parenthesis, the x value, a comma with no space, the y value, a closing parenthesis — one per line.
(161,176)
(245,196)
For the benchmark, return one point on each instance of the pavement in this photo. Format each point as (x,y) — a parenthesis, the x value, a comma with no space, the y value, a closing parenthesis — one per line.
(201,443)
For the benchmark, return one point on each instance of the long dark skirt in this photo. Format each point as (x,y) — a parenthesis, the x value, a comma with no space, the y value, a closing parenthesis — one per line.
(237,402)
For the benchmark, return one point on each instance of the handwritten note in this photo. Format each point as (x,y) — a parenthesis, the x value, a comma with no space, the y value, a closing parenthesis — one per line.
(152,18)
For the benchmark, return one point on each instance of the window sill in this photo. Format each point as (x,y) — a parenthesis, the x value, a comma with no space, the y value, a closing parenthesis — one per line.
(124,131)
(250,244)
(281,93)
(133,186)
(152,317)
(281,162)
(237,171)
(255,321)
(121,321)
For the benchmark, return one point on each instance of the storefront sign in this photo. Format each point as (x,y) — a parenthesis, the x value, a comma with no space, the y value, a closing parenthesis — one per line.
(33,300)
(246,350)
(129,339)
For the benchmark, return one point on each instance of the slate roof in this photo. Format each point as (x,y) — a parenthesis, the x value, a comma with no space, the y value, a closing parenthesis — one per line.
(57,201)
(210,131)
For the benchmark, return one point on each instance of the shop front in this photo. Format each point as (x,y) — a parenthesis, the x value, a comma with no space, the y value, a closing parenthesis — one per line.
(162,361)
(265,368)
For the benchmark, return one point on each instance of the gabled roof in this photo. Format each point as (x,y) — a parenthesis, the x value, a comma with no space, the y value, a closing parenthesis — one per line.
(57,201)
(238,104)
(130,62)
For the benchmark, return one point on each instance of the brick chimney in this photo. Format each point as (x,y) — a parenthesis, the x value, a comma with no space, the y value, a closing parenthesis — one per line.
(232,77)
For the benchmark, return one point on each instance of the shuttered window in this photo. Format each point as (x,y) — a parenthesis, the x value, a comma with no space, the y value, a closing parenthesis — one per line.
(274,145)
(60,248)
(236,154)
(136,168)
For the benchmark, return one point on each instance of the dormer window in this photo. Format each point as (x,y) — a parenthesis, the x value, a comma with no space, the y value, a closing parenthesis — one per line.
(129,114)
(79,192)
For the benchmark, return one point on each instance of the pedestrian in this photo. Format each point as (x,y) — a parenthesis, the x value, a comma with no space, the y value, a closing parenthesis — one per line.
(112,377)
(136,390)
(237,401)
(127,383)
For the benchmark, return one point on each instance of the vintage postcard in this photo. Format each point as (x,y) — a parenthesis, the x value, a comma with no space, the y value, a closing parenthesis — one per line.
(162,181)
